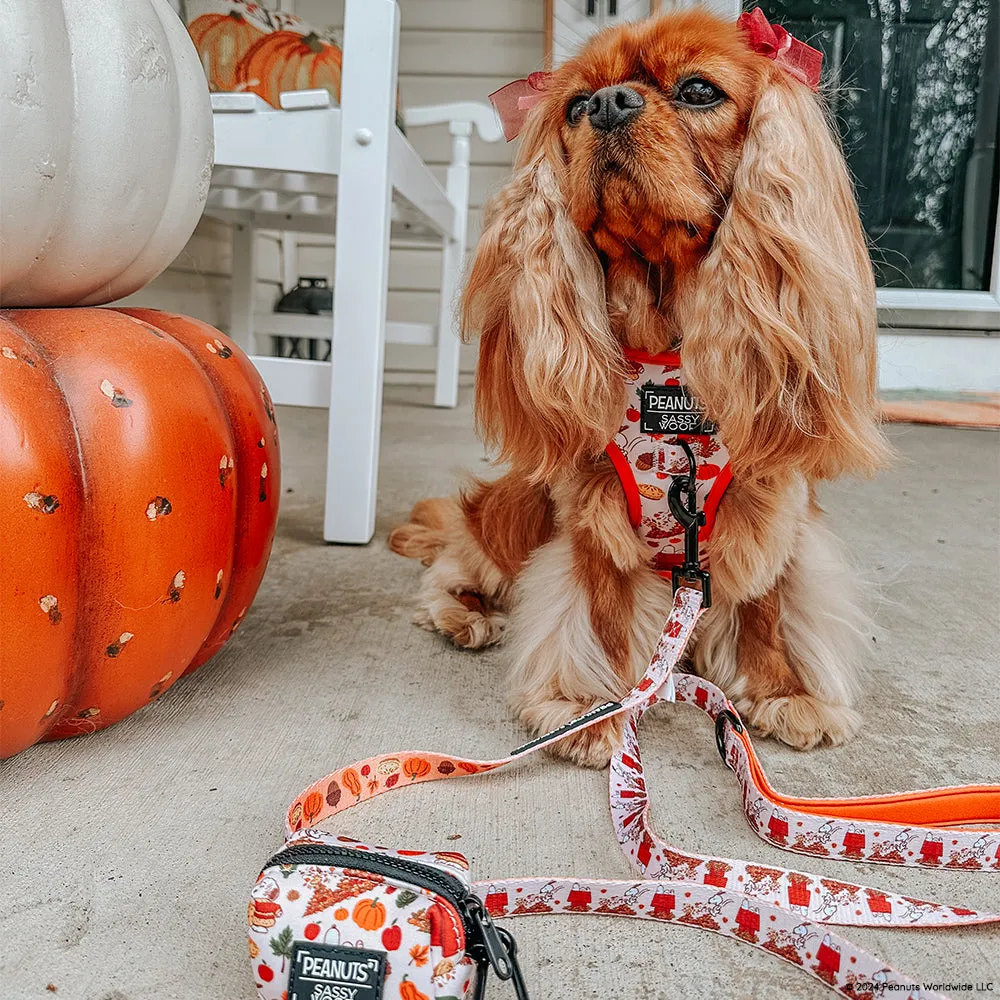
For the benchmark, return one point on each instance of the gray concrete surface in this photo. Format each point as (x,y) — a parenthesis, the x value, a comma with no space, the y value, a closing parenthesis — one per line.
(126,857)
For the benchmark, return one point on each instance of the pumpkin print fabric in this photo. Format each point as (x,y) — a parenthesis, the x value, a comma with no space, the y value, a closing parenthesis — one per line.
(419,932)
(784,913)
(128,560)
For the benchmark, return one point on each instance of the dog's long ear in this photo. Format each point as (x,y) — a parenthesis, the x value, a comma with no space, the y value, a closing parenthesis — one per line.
(779,324)
(549,387)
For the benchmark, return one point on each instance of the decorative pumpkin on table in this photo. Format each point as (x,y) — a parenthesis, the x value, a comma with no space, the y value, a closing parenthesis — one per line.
(139,487)
(108,148)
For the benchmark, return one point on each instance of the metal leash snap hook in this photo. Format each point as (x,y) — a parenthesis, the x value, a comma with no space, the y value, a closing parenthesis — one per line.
(726,715)
(519,985)
(691,520)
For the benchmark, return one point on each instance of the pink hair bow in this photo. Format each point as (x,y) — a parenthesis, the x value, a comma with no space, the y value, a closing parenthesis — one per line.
(516,99)
(772,41)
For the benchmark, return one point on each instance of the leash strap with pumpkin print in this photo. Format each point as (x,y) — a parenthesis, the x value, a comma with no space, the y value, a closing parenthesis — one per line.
(786,913)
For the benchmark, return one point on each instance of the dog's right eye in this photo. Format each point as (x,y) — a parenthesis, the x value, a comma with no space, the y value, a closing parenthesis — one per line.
(577,108)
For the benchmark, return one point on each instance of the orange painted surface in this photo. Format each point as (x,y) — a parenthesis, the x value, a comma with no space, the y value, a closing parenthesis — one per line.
(139,488)
(286,60)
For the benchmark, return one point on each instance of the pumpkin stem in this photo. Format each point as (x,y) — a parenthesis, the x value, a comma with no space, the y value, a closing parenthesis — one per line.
(313,42)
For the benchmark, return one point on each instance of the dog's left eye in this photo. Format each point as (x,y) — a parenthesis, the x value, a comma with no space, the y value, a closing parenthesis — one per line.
(698,93)
(577,108)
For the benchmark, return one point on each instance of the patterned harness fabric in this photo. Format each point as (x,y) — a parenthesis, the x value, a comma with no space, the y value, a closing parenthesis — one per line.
(646,453)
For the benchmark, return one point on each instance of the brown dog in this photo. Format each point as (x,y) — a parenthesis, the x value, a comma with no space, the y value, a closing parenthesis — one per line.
(674,189)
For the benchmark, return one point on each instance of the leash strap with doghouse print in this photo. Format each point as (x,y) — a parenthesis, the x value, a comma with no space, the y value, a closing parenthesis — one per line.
(784,912)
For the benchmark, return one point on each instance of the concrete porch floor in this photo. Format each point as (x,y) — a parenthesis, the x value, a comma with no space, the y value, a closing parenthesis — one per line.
(126,857)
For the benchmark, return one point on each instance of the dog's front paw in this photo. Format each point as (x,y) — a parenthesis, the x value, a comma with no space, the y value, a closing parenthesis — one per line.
(801,720)
(465,617)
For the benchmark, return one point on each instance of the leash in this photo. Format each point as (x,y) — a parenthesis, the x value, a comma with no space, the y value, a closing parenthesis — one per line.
(783,912)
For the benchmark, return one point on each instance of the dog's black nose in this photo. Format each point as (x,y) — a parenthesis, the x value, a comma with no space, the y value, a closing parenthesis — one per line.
(612,107)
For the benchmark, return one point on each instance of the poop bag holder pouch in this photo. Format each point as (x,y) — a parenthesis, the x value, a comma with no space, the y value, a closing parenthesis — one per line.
(332,919)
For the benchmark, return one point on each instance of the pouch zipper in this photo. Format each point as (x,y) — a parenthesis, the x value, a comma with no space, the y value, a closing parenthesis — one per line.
(483,940)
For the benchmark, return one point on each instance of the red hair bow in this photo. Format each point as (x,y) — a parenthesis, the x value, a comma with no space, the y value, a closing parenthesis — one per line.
(772,41)
(515,100)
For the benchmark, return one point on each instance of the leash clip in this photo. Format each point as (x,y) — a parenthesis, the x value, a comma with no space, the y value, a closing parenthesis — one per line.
(691,520)
(726,715)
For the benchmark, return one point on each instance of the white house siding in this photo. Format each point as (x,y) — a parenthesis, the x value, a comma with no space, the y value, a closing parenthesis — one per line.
(449,50)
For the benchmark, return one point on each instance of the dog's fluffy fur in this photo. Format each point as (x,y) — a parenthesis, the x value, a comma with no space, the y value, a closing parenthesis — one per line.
(733,234)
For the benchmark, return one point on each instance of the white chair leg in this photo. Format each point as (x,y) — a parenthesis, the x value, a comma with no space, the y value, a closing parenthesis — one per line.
(452,261)
(242,286)
(289,260)
(361,273)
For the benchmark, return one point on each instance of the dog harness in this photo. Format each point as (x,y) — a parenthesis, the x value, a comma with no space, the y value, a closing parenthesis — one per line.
(665,437)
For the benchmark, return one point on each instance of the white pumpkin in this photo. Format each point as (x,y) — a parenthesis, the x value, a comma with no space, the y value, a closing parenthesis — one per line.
(107,148)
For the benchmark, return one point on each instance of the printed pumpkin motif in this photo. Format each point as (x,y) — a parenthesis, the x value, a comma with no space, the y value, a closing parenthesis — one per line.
(131,404)
(369,915)
(287,60)
(416,767)
(222,40)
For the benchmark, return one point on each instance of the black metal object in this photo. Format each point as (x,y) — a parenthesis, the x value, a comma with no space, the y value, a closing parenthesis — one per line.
(683,500)
(720,729)
(310,297)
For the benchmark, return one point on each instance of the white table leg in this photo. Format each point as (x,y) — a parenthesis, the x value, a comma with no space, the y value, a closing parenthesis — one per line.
(243,286)
(452,262)
(361,273)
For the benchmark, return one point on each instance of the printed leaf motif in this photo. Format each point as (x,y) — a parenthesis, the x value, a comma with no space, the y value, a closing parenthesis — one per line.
(420,955)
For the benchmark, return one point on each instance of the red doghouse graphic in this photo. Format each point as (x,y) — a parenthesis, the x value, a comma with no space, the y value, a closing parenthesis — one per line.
(932,849)
(496,901)
(579,899)
(777,827)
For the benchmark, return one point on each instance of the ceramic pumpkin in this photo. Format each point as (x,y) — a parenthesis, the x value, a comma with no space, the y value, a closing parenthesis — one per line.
(109,149)
(222,40)
(286,60)
(139,487)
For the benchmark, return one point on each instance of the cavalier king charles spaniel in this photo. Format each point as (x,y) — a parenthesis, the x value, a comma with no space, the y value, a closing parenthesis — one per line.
(674,190)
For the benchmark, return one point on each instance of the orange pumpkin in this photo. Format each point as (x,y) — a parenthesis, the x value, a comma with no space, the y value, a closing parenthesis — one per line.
(369,915)
(311,806)
(416,767)
(407,991)
(138,493)
(286,60)
(222,40)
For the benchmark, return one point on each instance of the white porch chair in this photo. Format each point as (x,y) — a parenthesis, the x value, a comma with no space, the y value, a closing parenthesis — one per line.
(315,168)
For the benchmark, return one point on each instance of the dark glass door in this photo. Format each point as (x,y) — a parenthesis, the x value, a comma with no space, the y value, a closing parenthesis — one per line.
(915,93)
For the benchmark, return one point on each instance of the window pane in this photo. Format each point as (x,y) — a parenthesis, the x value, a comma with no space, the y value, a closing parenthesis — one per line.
(914,90)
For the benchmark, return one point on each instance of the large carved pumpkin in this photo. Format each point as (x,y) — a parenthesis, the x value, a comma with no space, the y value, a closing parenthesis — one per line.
(139,487)
(107,147)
